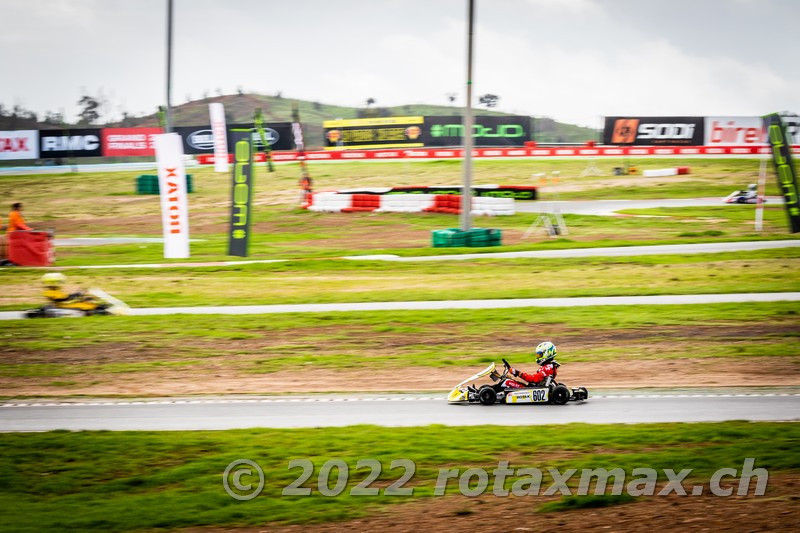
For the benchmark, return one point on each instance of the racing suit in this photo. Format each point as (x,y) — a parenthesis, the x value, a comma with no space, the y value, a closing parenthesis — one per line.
(548,369)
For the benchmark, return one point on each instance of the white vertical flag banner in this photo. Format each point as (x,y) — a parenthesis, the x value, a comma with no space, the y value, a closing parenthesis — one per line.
(219,131)
(172,189)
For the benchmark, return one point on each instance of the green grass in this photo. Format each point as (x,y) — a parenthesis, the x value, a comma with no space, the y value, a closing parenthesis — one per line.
(259,344)
(338,281)
(124,481)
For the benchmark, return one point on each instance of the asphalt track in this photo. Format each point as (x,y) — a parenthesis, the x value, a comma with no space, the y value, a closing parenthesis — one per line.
(391,410)
(610,207)
(456,304)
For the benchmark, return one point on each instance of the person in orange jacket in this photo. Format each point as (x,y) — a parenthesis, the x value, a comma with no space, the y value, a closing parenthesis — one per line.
(15,220)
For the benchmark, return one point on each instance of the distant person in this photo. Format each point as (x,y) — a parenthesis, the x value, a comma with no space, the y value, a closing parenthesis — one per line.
(16,222)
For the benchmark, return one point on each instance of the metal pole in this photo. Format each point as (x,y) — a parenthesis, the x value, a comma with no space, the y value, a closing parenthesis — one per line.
(169,66)
(466,192)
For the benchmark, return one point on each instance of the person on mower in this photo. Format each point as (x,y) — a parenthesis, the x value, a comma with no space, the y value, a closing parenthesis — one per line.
(57,297)
(545,358)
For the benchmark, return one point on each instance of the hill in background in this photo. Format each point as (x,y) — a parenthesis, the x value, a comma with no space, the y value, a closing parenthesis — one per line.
(239,108)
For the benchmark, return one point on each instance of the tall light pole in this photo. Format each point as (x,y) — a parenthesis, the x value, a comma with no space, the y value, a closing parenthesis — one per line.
(169,66)
(466,192)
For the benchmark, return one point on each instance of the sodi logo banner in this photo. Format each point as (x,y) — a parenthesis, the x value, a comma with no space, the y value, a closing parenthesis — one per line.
(653,131)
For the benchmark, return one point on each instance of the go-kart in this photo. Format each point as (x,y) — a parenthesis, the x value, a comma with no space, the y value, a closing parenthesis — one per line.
(743,197)
(550,391)
(92,302)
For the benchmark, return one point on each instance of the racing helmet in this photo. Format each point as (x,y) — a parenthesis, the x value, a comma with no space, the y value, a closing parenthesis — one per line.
(751,187)
(545,352)
(53,279)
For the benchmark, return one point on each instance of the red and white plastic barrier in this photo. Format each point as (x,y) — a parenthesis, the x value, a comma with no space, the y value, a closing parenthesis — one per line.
(658,172)
(456,153)
(333,202)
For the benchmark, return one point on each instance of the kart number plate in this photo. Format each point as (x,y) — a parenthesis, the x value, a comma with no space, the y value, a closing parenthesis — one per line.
(528,396)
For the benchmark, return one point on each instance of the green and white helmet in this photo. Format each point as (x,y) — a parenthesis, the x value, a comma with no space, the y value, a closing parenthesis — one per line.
(545,352)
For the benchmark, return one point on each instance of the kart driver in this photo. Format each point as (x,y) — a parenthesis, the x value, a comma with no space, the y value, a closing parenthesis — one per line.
(53,290)
(545,357)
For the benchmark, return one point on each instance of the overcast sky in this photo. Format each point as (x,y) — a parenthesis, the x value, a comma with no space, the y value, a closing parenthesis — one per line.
(573,60)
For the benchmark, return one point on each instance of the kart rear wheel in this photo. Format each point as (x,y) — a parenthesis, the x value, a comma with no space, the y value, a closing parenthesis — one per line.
(559,395)
(487,395)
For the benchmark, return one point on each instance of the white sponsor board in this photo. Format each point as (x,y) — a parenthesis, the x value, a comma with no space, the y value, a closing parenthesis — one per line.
(172,187)
(20,144)
(734,131)
(746,131)
(219,132)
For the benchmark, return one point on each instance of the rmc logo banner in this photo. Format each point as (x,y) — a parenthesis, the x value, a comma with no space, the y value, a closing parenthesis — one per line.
(784,167)
(241,192)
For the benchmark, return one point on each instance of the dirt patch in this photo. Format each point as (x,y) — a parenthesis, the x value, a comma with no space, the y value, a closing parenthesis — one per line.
(777,510)
(222,377)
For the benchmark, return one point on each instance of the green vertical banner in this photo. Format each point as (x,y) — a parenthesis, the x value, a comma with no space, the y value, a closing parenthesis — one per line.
(241,192)
(784,168)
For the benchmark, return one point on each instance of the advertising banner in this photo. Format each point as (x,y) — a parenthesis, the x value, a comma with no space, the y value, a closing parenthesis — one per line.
(70,143)
(172,185)
(653,131)
(129,141)
(20,144)
(735,131)
(486,131)
(200,139)
(362,133)
(784,168)
(219,133)
(241,192)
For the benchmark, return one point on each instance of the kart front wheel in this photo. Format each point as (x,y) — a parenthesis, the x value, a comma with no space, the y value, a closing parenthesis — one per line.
(487,395)
(559,395)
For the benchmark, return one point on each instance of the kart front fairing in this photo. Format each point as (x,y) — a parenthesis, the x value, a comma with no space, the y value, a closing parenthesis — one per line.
(459,394)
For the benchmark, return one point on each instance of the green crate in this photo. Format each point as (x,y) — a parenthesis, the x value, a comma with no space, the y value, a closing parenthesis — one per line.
(148,184)
(476,237)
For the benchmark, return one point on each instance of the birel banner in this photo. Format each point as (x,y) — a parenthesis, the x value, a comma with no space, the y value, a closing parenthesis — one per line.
(200,139)
(653,131)
(20,144)
(219,134)
(70,143)
(362,133)
(172,189)
(735,131)
(486,131)
(129,141)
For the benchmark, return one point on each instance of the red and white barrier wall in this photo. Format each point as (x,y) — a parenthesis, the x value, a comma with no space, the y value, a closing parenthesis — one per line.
(333,202)
(573,151)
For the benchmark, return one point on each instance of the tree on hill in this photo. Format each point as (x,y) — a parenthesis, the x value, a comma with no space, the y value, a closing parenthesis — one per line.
(489,100)
(89,114)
